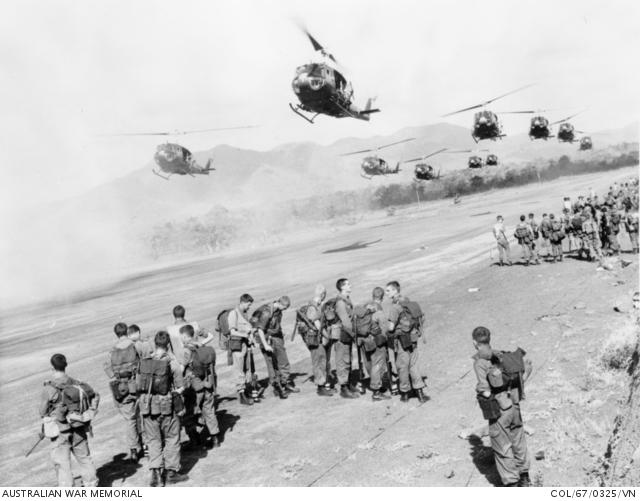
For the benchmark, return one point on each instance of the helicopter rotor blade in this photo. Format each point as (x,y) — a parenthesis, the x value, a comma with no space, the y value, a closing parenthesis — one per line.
(423,157)
(378,148)
(317,46)
(488,102)
(177,132)
(568,118)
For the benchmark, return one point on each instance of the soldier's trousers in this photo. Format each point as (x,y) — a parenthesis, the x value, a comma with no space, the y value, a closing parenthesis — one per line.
(200,407)
(329,350)
(500,434)
(519,441)
(556,250)
(242,375)
(63,446)
(343,362)
(319,364)
(409,375)
(633,236)
(504,251)
(162,433)
(277,361)
(128,409)
(375,363)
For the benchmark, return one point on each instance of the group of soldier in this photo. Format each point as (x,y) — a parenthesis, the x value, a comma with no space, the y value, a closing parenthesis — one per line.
(591,227)
(167,383)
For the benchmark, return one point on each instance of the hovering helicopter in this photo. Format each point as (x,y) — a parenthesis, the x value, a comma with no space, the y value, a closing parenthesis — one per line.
(423,171)
(585,143)
(539,128)
(373,165)
(566,131)
(322,89)
(485,123)
(491,160)
(173,158)
(475,162)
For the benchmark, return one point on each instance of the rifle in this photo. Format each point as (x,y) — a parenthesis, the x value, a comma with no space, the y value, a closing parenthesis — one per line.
(33,447)
(295,330)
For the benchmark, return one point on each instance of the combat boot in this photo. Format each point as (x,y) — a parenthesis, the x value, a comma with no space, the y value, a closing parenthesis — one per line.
(279,392)
(378,395)
(291,388)
(244,400)
(133,455)
(212,441)
(156,478)
(355,390)
(421,396)
(525,481)
(404,396)
(323,391)
(173,477)
(346,393)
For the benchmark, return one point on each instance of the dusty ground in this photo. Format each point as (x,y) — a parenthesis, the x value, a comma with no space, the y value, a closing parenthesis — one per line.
(560,313)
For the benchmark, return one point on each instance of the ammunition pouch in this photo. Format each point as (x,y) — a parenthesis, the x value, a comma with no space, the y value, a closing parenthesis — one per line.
(381,340)
(312,338)
(345,338)
(369,343)
(489,407)
(49,427)
(335,330)
(236,343)
(406,340)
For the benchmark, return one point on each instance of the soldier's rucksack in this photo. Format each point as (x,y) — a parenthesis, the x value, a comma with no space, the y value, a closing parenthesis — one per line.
(304,323)
(589,227)
(557,232)
(73,401)
(508,370)
(154,376)
(576,222)
(224,332)
(523,234)
(329,315)
(363,323)
(124,362)
(411,317)
(202,358)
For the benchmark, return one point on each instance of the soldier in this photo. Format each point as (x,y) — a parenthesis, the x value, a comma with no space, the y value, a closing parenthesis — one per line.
(199,395)
(545,231)
(144,347)
(240,340)
(535,230)
(64,404)
(160,385)
(405,326)
(174,333)
(343,346)
(122,368)
(631,223)
(590,237)
(525,238)
(500,404)
(568,228)
(309,326)
(504,251)
(614,229)
(375,349)
(556,237)
(267,320)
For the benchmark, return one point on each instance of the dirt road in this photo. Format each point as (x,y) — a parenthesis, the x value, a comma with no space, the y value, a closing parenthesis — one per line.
(437,253)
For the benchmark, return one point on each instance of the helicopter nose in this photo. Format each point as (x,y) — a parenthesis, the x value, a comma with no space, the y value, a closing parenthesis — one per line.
(482,120)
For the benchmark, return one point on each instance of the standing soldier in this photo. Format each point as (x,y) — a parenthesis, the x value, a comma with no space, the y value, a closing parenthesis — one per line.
(525,238)
(614,230)
(160,385)
(556,237)
(405,326)
(535,231)
(174,333)
(199,395)
(122,368)
(267,320)
(144,347)
(375,347)
(344,311)
(67,406)
(499,233)
(500,387)
(241,337)
(545,230)
(568,229)
(576,227)
(309,326)
(631,223)
(590,237)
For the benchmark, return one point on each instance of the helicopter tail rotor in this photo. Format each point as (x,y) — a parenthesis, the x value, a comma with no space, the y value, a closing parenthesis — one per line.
(208,167)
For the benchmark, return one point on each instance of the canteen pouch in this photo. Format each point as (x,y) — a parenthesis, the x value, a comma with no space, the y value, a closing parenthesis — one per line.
(405,340)
(177,404)
(50,427)
(381,340)
(144,404)
(165,403)
(119,389)
(369,343)
(312,338)
(489,407)
(154,404)
(345,338)
(235,343)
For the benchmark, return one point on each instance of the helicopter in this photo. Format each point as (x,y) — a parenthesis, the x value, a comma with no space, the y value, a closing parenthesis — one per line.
(373,165)
(539,128)
(485,123)
(173,158)
(491,159)
(322,89)
(566,131)
(585,143)
(422,170)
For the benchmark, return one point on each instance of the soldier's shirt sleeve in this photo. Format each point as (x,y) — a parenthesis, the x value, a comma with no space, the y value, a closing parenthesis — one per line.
(481,368)
(394,314)
(263,320)
(380,318)
(107,365)
(176,371)
(341,311)
(232,318)
(43,405)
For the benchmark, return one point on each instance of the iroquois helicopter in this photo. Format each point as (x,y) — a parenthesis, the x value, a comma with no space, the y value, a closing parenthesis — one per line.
(492,159)
(423,171)
(173,158)
(485,123)
(539,128)
(585,143)
(566,131)
(373,165)
(322,89)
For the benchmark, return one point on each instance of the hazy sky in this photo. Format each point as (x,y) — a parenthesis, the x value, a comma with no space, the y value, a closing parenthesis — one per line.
(74,69)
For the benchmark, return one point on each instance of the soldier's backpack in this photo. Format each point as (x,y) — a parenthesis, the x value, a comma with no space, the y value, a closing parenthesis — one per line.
(508,370)
(523,234)
(201,360)
(576,222)
(154,376)
(363,324)
(557,232)
(73,403)
(329,315)
(124,362)
(222,326)
(411,317)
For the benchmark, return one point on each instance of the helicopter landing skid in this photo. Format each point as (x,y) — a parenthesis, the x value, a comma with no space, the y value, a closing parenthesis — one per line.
(166,178)
(296,110)
(368,178)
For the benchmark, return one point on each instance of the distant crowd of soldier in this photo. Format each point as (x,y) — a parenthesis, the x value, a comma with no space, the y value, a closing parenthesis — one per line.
(591,228)
(162,385)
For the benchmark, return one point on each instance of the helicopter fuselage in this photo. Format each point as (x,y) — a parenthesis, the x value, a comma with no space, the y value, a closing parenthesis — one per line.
(566,133)
(486,126)
(491,160)
(475,162)
(376,166)
(424,172)
(586,143)
(539,128)
(175,159)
